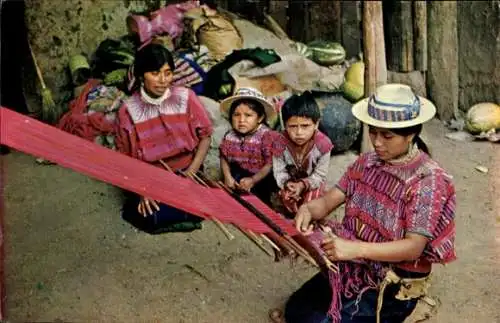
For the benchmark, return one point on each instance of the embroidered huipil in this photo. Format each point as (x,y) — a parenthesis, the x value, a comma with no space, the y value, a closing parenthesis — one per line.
(171,130)
(315,163)
(251,152)
(383,203)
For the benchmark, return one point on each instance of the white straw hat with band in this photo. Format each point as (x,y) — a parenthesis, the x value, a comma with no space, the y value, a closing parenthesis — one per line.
(248,93)
(394,106)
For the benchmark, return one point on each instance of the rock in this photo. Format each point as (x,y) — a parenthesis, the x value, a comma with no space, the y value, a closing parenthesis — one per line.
(459,136)
(337,121)
(482,169)
(414,79)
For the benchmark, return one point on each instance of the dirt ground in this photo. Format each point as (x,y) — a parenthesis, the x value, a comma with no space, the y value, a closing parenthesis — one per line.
(70,257)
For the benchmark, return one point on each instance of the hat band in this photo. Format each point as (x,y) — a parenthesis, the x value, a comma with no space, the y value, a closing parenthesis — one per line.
(408,111)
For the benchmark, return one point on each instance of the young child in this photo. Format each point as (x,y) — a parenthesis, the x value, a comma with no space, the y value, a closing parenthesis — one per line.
(246,150)
(302,157)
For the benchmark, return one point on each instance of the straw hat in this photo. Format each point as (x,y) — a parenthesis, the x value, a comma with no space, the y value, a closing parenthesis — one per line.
(394,106)
(248,93)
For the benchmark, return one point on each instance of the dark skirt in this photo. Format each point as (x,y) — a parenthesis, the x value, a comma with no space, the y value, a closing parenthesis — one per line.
(263,189)
(310,304)
(167,219)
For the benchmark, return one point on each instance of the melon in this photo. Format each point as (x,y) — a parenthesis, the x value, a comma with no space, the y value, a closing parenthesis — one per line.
(483,117)
(326,52)
(303,49)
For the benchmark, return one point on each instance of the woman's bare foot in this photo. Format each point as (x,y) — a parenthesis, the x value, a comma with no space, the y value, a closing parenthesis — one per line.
(276,316)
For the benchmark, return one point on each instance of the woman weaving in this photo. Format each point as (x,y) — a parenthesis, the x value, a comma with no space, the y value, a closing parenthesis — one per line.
(162,124)
(399,220)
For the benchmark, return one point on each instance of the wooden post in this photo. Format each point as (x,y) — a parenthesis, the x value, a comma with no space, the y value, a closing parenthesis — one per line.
(400,36)
(442,74)
(374,56)
(351,27)
(337,20)
(420,35)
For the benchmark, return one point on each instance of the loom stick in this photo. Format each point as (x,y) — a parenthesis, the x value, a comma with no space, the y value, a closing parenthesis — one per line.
(278,234)
(255,239)
(217,222)
(254,236)
(283,235)
(249,234)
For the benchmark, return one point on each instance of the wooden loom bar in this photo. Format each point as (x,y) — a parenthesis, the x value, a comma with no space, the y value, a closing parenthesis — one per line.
(217,222)
(248,233)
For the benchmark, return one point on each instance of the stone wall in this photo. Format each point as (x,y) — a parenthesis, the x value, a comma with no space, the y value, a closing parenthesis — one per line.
(59,29)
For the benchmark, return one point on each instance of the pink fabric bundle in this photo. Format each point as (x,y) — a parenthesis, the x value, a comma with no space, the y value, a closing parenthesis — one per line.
(168,20)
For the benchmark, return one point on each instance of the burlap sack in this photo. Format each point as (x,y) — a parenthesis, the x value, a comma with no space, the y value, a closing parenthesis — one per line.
(220,36)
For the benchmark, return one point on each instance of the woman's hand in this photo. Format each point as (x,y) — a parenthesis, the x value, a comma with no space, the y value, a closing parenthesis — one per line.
(145,206)
(303,220)
(230,182)
(341,249)
(246,184)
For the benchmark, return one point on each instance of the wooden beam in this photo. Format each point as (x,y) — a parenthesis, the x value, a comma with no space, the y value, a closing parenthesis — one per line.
(374,56)
(400,36)
(442,73)
(337,20)
(420,35)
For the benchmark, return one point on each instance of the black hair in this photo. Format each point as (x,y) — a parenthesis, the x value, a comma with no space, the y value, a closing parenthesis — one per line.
(212,4)
(151,58)
(301,106)
(413,130)
(252,104)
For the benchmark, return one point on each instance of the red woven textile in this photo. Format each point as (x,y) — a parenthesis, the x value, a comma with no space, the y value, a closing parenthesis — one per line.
(39,139)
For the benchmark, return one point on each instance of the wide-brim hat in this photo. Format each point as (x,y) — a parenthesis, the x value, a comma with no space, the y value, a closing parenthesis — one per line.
(251,94)
(394,106)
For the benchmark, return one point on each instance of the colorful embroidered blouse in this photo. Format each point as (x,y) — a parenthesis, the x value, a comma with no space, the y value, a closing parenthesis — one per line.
(250,152)
(315,163)
(383,202)
(171,130)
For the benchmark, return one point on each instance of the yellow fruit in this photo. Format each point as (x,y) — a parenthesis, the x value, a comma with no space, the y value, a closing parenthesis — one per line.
(352,91)
(356,73)
(483,117)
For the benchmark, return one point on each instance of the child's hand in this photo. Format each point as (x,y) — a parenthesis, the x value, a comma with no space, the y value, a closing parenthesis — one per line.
(246,184)
(295,188)
(230,182)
